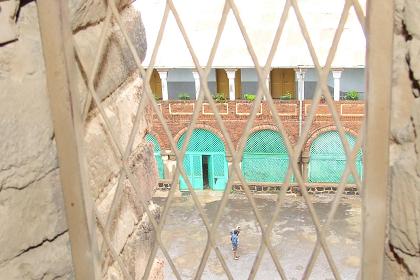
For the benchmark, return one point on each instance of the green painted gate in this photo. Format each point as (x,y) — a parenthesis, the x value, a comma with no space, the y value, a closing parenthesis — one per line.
(156,150)
(204,143)
(328,160)
(265,157)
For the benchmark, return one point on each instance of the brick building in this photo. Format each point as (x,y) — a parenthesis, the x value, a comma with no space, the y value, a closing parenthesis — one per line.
(232,79)
(235,115)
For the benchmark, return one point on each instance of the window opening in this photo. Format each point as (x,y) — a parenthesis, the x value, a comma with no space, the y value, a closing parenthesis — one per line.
(265,157)
(328,159)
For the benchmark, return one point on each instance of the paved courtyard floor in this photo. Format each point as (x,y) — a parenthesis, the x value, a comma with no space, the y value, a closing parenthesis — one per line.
(293,236)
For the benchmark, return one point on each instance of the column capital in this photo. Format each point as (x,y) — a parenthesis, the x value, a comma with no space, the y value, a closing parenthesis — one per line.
(163,73)
(300,69)
(337,73)
(230,72)
(300,73)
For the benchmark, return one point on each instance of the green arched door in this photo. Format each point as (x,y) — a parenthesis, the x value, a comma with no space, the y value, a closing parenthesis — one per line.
(156,150)
(205,161)
(328,160)
(265,157)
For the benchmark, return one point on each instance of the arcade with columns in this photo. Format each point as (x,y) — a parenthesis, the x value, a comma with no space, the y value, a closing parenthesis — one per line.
(233,83)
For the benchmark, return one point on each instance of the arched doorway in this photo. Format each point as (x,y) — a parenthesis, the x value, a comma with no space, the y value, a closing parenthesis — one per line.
(205,161)
(328,160)
(265,157)
(156,150)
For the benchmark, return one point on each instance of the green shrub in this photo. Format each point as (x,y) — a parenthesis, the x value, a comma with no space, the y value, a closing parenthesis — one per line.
(157,98)
(249,96)
(219,98)
(287,96)
(184,96)
(352,95)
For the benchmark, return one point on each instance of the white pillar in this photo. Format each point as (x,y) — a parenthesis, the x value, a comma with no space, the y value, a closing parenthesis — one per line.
(196,83)
(231,77)
(168,165)
(163,74)
(267,83)
(300,78)
(337,76)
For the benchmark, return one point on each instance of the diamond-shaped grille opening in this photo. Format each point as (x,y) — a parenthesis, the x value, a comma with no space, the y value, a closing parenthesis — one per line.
(236,206)
(271,151)
(181,227)
(328,159)
(265,157)
(203,141)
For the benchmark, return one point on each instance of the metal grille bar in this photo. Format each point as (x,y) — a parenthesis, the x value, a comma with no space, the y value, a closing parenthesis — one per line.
(87,266)
(379,77)
(64,102)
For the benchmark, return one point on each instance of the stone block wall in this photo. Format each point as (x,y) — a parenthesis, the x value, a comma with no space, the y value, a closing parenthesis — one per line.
(131,229)
(33,233)
(403,233)
(34,237)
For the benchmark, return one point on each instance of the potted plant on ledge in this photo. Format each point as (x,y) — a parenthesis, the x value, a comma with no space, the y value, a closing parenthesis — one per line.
(287,96)
(219,98)
(352,95)
(249,96)
(157,98)
(184,96)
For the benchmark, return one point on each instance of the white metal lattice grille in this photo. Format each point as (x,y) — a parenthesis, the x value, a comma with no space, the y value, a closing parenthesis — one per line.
(123,152)
(322,89)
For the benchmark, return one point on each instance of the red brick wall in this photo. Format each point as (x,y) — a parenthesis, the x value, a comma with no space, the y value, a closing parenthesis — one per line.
(178,115)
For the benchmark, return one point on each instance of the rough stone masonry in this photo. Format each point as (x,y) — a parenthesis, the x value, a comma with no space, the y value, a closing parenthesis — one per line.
(403,236)
(33,234)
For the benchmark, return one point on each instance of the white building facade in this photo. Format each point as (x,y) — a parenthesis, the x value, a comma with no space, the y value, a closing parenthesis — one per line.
(233,71)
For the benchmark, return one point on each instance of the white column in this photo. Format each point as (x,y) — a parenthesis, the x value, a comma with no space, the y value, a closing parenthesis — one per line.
(196,83)
(167,167)
(163,74)
(169,163)
(300,78)
(231,77)
(337,76)
(267,83)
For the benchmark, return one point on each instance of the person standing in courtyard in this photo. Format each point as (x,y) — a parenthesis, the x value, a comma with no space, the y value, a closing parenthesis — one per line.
(234,238)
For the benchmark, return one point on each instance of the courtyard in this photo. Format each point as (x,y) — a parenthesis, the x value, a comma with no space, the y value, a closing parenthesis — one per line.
(104,104)
(293,235)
